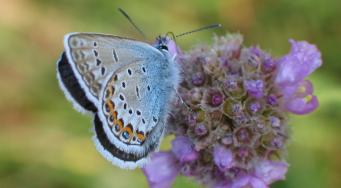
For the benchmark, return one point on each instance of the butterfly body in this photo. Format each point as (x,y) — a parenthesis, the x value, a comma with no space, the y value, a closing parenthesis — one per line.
(127,85)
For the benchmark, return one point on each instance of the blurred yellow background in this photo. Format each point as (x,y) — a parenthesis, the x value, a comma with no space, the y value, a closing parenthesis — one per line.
(44,143)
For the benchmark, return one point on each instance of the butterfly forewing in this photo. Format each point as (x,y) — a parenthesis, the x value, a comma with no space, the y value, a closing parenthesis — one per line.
(71,86)
(94,57)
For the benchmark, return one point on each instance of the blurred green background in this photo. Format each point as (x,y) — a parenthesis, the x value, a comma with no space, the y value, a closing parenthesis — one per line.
(44,143)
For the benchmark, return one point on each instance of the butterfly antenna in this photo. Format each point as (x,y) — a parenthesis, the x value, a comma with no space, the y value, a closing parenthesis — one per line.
(131,21)
(200,29)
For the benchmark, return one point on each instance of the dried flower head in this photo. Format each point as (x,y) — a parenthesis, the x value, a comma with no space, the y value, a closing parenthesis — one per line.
(232,129)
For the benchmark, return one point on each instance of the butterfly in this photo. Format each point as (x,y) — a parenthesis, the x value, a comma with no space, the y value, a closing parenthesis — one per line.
(127,85)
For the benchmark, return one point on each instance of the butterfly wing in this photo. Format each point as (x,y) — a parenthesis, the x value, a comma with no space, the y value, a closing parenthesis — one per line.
(134,106)
(87,62)
(130,84)
(71,86)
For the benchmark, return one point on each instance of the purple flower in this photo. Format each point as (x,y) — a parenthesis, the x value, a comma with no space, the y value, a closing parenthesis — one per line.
(274,121)
(223,158)
(271,100)
(198,79)
(248,181)
(234,125)
(227,140)
(271,171)
(161,170)
(302,101)
(303,59)
(243,136)
(191,119)
(217,99)
(186,170)
(255,88)
(269,64)
(183,149)
(213,97)
(223,184)
(231,84)
(200,129)
(255,107)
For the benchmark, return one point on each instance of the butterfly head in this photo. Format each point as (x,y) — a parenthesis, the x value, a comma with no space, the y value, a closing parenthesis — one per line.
(167,43)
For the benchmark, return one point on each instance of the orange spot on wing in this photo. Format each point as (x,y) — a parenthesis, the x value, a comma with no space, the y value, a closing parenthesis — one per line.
(111,105)
(119,125)
(120,122)
(140,136)
(128,128)
(114,113)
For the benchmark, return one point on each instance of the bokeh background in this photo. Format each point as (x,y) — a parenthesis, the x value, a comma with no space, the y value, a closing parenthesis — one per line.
(44,143)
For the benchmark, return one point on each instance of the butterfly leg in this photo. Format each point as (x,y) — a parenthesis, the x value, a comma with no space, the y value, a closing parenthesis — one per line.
(182,101)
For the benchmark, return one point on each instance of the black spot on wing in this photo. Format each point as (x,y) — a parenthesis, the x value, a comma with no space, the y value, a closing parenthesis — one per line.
(129,71)
(72,85)
(98,62)
(115,55)
(137,92)
(121,97)
(96,53)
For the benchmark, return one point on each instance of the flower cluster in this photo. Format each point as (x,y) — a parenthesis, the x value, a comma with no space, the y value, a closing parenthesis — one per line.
(230,124)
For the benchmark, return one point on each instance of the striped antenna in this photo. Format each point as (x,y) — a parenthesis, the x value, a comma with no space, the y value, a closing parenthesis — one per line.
(131,21)
(200,29)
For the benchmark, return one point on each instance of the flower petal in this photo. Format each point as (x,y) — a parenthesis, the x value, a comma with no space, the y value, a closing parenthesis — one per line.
(300,89)
(303,59)
(248,181)
(255,88)
(161,170)
(222,184)
(271,171)
(223,158)
(183,149)
(304,88)
(302,105)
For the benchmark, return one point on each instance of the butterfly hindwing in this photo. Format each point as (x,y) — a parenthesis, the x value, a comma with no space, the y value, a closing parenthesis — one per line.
(134,108)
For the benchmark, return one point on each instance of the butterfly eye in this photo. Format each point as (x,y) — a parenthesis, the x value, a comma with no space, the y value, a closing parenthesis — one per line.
(164,47)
